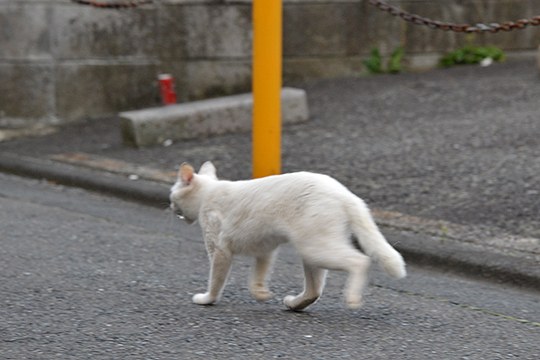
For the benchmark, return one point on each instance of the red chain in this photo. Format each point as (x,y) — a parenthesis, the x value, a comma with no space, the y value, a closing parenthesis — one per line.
(467,28)
(113,5)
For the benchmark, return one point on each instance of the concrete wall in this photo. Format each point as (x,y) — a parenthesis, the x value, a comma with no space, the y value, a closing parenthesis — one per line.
(60,61)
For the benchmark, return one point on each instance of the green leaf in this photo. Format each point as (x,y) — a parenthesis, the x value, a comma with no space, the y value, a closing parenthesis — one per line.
(471,55)
(374,62)
(394,63)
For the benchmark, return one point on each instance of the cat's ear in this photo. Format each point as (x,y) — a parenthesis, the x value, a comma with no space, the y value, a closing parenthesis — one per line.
(208,169)
(185,173)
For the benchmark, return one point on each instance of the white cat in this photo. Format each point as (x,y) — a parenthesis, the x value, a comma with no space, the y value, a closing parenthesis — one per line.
(253,217)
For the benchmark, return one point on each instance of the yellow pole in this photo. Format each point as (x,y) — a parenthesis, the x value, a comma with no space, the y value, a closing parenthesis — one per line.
(267,33)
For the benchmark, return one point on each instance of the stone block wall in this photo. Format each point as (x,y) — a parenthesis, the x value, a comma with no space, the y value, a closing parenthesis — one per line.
(60,61)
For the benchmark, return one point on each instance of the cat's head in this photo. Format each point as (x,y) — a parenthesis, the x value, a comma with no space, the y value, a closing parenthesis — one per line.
(186,194)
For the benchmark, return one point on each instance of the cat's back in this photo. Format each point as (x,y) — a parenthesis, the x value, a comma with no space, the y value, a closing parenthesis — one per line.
(291,186)
(275,203)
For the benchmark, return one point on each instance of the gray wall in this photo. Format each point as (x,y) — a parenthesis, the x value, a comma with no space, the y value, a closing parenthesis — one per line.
(60,61)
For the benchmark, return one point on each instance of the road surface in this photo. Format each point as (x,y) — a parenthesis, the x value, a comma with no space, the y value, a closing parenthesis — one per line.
(84,276)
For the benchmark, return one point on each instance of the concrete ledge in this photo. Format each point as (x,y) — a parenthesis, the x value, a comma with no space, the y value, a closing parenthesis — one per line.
(204,118)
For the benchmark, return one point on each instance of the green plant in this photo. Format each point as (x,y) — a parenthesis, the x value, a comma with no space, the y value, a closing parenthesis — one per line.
(374,63)
(394,63)
(471,54)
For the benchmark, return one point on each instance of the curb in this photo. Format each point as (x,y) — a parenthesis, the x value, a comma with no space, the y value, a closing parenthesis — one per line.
(203,118)
(142,191)
(418,248)
(465,258)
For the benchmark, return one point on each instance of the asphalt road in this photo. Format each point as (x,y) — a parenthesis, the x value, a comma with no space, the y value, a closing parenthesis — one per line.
(83,276)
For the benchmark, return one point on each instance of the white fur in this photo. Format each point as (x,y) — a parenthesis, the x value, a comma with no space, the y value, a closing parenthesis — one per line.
(253,217)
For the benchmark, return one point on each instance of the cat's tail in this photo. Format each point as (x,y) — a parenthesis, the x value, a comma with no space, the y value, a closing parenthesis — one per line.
(373,242)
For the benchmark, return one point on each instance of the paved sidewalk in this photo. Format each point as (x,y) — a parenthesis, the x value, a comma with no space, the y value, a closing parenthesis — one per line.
(449,160)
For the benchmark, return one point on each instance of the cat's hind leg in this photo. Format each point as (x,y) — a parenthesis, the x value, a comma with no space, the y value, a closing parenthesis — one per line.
(357,280)
(220,267)
(344,257)
(314,278)
(257,282)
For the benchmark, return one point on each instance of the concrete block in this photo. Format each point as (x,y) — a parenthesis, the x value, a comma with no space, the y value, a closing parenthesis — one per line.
(85,32)
(214,78)
(233,39)
(502,11)
(321,29)
(378,30)
(24,31)
(538,58)
(94,90)
(304,68)
(171,34)
(204,118)
(27,94)
(422,39)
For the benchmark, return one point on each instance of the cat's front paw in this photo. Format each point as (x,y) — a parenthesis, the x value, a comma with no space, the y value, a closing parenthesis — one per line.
(289,301)
(261,294)
(203,299)
(354,302)
(298,303)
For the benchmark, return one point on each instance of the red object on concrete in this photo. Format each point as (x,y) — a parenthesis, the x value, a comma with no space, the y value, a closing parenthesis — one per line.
(166,86)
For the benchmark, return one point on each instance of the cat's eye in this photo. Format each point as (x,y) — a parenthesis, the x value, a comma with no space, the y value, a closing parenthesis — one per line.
(181,217)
